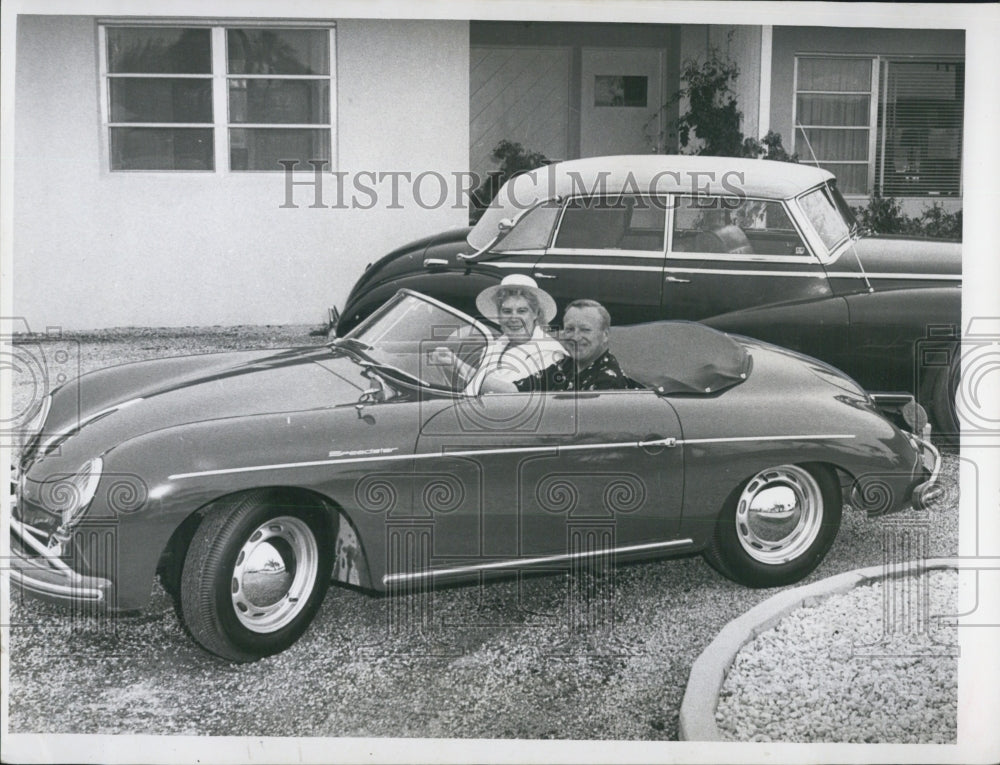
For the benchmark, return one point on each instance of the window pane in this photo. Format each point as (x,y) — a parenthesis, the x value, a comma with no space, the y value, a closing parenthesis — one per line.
(261,148)
(630,223)
(159,50)
(532,231)
(161,149)
(922,114)
(278,51)
(147,99)
(825,217)
(833,110)
(842,145)
(735,226)
(280,101)
(837,74)
(851,179)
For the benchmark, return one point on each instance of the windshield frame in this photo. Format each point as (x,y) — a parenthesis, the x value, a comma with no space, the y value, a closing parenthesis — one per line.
(371,354)
(827,253)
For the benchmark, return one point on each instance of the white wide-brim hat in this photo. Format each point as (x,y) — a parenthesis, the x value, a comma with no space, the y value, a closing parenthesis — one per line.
(486,300)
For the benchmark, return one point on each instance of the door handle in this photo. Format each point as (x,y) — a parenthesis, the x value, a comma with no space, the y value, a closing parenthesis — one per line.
(676,279)
(540,275)
(432,262)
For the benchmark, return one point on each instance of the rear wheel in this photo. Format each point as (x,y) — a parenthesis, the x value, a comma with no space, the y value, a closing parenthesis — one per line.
(254,576)
(778,526)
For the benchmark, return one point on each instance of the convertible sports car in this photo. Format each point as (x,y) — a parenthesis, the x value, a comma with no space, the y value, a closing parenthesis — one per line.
(249,480)
(760,248)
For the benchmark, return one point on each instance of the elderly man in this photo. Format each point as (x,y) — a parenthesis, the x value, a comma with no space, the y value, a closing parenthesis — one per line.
(590,365)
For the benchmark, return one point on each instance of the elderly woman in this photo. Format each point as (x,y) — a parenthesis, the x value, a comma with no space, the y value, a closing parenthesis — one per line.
(521,309)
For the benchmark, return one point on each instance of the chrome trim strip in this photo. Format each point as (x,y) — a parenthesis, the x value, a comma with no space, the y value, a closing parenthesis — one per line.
(928,277)
(518,562)
(74,592)
(556,449)
(434,455)
(817,274)
(823,437)
(542,266)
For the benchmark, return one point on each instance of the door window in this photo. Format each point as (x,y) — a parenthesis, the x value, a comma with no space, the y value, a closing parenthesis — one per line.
(613,223)
(734,226)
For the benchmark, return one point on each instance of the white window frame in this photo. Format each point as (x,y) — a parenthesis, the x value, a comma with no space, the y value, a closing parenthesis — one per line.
(799,144)
(220,77)
(876,138)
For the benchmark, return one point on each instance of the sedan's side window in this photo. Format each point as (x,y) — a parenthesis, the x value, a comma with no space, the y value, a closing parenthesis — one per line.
(533,231)
(734,225)
(613,223)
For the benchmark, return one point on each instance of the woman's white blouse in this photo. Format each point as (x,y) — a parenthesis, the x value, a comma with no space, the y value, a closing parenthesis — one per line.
(506,362)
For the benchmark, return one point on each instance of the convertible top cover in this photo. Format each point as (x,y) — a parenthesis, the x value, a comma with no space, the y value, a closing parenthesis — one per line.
(680,357)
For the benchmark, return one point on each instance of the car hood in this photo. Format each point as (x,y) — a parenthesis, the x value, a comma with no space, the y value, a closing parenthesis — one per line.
(105,408)
(904,256)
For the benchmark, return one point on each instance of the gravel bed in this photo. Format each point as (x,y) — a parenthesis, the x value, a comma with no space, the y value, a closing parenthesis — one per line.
(848,674)
(498,660)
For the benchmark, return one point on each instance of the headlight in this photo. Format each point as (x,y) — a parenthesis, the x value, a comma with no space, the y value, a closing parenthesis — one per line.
(69,495)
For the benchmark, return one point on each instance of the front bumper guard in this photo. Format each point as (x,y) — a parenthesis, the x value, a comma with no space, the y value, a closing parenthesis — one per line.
(47,576)
(928,490)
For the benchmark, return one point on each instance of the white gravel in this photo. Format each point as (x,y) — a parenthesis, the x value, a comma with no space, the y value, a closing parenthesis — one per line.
(872,665)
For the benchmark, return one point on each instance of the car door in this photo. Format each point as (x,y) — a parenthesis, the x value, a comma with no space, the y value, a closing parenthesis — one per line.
(741,264)
(533,474)
(609,249)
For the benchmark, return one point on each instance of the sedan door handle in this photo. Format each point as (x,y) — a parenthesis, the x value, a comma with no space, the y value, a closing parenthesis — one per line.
(432,262)
(540,275)
(676,279)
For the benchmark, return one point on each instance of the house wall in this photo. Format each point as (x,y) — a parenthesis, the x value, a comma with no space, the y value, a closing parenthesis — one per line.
(97,249)
(787,42)
(538,57)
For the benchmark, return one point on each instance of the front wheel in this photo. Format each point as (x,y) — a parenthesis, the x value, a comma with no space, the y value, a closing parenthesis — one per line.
(254,576)
(778,526)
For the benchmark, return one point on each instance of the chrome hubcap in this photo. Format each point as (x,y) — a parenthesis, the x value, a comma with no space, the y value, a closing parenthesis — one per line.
(779,514)
(274,574)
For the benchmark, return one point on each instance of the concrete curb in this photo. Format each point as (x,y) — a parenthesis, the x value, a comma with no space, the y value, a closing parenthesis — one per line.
(697,715)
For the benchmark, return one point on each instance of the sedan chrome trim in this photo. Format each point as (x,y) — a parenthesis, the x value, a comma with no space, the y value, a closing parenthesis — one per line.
(817,274)
(518,562)
(556,449)
(928,277)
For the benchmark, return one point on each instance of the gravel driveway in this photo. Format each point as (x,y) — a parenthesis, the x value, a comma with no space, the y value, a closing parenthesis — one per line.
(496,660)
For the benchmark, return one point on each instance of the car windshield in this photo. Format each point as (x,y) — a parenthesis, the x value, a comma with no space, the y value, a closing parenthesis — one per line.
(399,340)
(825,209)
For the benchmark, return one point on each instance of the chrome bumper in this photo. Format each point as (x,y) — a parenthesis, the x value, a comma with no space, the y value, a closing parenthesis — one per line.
(47,576)
(930,489)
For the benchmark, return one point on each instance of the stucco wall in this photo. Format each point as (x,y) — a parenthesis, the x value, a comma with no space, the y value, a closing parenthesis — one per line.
(99,249)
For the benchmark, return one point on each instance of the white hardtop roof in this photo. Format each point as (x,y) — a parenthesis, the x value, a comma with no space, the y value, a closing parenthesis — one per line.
(643,174)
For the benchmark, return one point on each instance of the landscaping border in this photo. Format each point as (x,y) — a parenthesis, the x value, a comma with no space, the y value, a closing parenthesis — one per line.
(708,673)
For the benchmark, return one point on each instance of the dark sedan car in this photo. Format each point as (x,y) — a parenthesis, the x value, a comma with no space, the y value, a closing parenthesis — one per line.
(765,249)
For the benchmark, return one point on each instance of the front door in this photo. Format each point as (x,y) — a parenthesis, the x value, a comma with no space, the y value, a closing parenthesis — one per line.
(620,97)
(513,476)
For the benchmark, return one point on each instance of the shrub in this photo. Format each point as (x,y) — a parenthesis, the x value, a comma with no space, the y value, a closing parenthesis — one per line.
(513,159)
(883,215)
(713,116)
